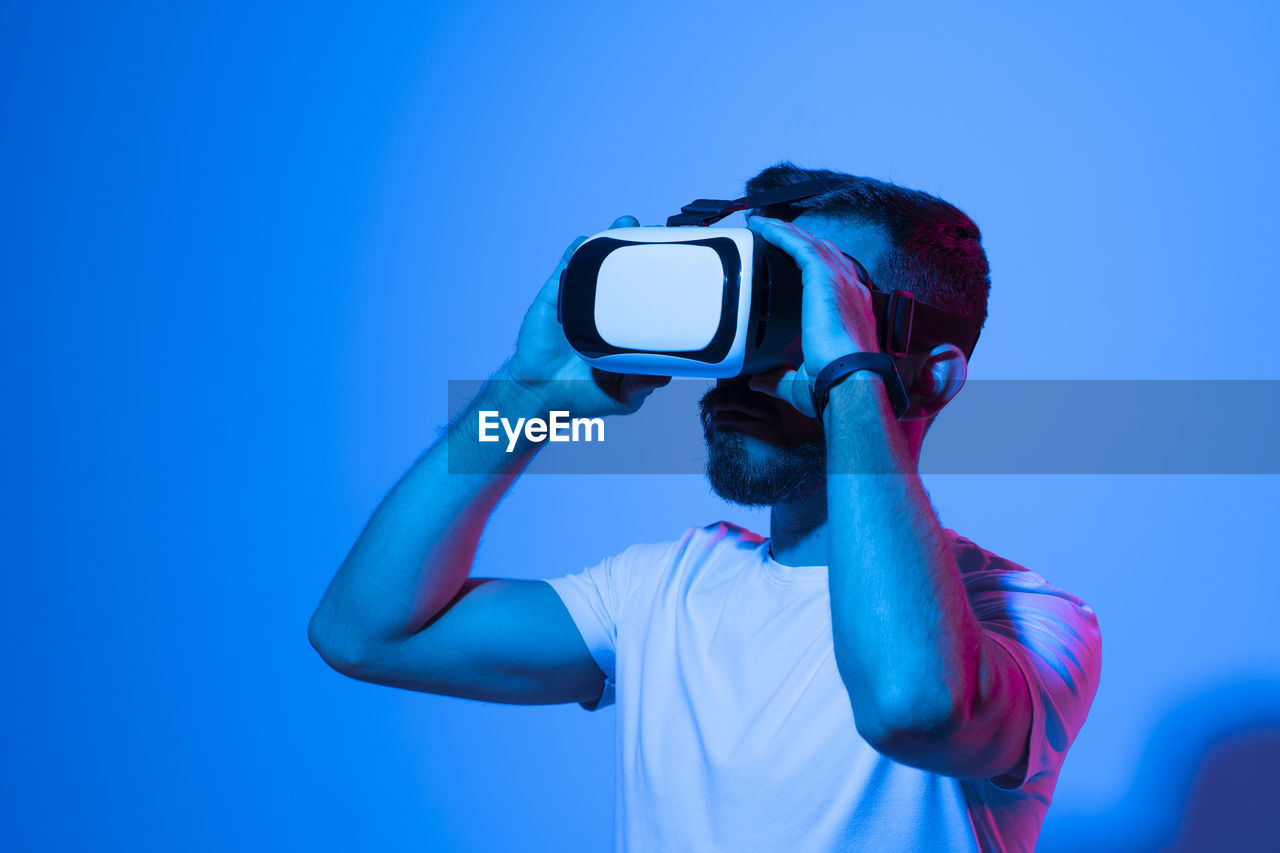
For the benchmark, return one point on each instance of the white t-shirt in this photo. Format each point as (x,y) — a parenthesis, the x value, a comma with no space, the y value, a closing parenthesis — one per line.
(735,732)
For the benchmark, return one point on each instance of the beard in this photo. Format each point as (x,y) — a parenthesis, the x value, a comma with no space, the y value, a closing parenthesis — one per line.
(758,473)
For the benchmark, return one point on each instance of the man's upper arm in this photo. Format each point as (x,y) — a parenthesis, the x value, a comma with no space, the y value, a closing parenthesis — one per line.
(1052,641)
(499,640)
(1045,648)
(1041,666)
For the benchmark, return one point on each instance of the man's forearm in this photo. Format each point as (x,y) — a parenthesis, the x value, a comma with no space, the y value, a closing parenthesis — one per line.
(906,641)
(416,551)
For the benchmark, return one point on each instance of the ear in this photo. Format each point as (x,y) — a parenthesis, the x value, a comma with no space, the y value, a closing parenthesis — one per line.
(936,378)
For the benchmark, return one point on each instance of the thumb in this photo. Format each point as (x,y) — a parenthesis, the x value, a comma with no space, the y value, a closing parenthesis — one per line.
(634,384)
(790,386)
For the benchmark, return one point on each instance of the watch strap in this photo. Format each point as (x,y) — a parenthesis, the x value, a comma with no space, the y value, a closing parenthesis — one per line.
(879,363)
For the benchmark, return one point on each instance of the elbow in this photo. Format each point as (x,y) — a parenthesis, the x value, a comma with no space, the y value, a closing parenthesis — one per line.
(905,712)
(337,647)
(322,640)
(901,724)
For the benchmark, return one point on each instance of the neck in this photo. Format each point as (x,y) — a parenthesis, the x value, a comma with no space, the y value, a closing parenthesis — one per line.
(798,528)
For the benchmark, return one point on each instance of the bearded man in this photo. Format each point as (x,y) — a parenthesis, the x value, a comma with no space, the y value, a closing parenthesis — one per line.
(862,679)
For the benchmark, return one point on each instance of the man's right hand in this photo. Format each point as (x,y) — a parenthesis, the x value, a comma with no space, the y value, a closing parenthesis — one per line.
(546,367)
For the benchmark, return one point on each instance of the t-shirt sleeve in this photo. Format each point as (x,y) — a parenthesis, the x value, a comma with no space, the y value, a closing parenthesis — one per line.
(595,598)
(1054,640)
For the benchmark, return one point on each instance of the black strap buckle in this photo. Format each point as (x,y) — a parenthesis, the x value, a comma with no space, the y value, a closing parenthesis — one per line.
(708,211)
(895,312)
(897,325)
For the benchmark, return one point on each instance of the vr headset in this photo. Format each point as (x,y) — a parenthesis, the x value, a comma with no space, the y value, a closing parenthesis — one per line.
(695,300)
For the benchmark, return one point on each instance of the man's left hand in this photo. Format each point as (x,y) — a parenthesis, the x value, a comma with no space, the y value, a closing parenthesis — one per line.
(836,315)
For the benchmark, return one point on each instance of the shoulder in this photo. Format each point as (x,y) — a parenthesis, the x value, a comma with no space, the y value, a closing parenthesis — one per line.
(695,544)
(721,538)
(720,535)
(1014,602)
(708,549)
(986,573)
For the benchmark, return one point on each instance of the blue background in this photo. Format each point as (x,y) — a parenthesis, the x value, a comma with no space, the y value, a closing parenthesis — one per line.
(247,244)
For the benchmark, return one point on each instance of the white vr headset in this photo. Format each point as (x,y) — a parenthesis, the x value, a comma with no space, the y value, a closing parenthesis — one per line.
(712,301)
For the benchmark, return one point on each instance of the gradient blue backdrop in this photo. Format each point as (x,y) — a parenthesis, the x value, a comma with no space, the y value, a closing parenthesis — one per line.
(246,245)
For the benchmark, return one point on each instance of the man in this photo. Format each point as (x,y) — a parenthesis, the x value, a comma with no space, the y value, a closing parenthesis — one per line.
(863,679)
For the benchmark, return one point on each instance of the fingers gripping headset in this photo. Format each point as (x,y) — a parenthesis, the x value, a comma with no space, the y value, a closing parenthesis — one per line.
(719,302)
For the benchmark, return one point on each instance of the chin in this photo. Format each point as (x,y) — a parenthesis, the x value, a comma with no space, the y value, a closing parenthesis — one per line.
(750,471)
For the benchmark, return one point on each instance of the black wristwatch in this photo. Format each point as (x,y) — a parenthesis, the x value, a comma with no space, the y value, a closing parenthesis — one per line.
(879,363)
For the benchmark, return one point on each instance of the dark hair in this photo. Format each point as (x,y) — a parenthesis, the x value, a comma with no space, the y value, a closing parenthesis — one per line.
(936,253)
